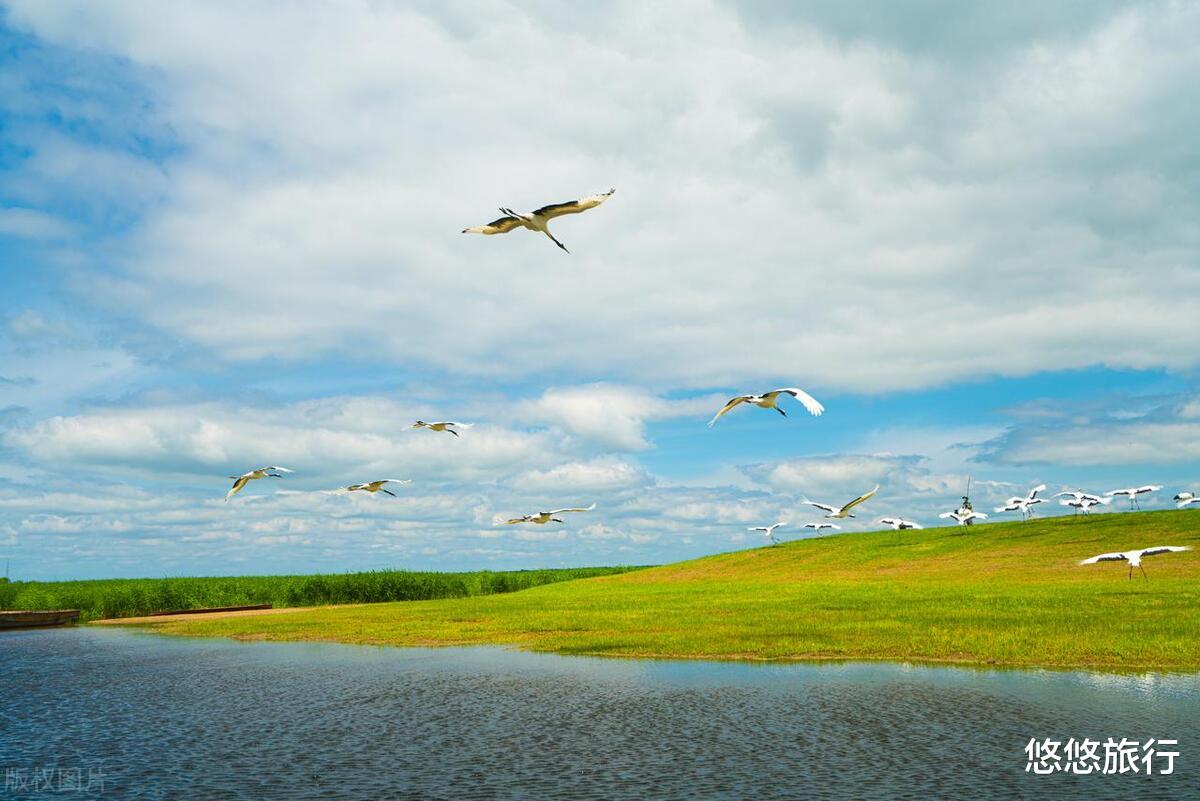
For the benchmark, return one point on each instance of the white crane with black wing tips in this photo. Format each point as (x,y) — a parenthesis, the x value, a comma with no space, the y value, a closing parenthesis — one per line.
(376,486)
(1134,558)
(1133,492)
(821,526)
(842,511)
(770,400)
(898,523)
(274,471)
(1183,499)
(1023,505)
(769,530)
(1085,504)
(539,219)
(445,425)
(963,517)
(1080,495)
(541,518)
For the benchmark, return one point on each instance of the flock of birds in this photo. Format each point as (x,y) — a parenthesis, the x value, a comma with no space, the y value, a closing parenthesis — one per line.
(1077,499)
(538,221)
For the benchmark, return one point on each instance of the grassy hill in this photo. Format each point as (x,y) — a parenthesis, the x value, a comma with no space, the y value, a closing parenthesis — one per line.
(1004,594)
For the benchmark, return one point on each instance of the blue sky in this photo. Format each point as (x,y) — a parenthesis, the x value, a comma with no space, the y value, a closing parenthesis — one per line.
(229,237)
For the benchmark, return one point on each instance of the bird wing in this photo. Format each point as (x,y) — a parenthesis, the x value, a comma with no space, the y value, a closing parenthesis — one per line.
(499,226)
(1033,492)
(826,507)
(560,511)
(1105,557)
(886,521)
(517,520)
(382,481)
(860,499)
(1060,494)
(978,514)
(948,515)
(732,403)
(237,487)
(810,403)
(915,525)
(276,467)
(572,206)
(1164,549)
(1149,488)
(1113,493)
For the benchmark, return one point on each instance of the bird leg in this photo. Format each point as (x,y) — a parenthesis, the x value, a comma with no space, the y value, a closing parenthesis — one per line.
(1141,568)
(781,411)
(555,241)
(389,492)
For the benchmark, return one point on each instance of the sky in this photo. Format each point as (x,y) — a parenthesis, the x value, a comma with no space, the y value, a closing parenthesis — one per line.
(230,237)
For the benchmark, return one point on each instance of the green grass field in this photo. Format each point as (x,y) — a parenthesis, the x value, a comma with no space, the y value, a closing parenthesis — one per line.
(110,598)
(1000,594)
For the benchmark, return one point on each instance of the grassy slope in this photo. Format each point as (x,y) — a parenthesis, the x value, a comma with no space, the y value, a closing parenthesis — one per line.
(1007,593)
(108,598)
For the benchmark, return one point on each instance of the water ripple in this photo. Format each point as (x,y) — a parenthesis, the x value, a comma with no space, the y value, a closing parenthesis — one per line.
(215,719)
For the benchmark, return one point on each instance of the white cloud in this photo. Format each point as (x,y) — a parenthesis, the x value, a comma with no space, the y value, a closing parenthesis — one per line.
(30,324)
(540,534)
(31,224)
(1151,431)
(327,439)
(605,473)
(613,416)
(823,475)
(872,175)
(1126,442)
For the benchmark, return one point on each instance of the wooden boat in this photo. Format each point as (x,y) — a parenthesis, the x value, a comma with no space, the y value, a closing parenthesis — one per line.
(211,609)
(20,618)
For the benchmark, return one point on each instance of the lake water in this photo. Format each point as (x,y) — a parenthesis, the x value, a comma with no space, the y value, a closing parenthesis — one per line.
(162,717)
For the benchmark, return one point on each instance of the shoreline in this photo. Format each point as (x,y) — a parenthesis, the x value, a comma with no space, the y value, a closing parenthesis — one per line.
(222,615)
(146,625)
